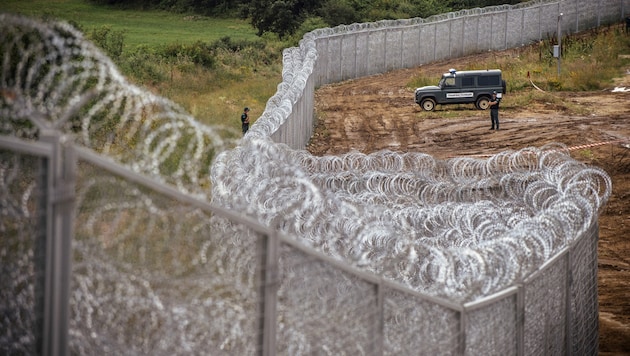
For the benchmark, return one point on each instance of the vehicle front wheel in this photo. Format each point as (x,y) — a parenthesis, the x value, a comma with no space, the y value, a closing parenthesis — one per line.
(428,104)
(483,103)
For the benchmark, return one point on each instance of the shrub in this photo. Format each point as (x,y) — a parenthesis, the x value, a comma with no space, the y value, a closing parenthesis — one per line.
(143,65)
(112,42)
(198,52)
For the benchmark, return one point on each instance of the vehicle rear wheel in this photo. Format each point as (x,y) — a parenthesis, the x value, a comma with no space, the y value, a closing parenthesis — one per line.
(428,104)
(483,103)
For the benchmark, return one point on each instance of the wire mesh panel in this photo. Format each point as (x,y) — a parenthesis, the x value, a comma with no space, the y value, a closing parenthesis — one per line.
(588,13)
(583,314)
(442,48)
(456,37)
(394,48)
(492,329)
(410,48)
(470,35)
(152,275)
(499,30)
(376,52)
(335,59)
(417,326)
(548,20)
(427,43)
(570,16)
(545,321)
(348,52)
(23,200)
(485,30)
(514,26)
(361,56)
(324,310)
(609,12)
(531,25)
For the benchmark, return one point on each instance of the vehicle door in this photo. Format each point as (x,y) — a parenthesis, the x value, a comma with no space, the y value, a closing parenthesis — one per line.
(452,90)
(467,89)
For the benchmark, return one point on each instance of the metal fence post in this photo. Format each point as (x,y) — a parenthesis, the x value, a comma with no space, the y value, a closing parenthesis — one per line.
(462,332)
(520,320)
(567,316)
(40,260)
(577,16)
(379,335)
(269,253)
(58,254)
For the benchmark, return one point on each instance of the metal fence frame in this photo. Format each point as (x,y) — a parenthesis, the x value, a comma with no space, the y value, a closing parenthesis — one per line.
(577,264)
(327,56)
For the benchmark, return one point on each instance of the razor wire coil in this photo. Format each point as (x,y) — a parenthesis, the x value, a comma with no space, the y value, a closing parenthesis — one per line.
(459,229)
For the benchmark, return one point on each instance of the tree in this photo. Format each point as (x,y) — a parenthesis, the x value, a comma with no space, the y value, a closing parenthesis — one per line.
(280,16)
(335,12)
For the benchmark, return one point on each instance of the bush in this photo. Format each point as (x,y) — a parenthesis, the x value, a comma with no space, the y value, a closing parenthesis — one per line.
(143,65)
(198,53)
(554,84)
(112,42)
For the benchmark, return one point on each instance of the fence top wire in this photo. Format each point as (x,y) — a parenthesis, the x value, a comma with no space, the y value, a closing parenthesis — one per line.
(459,229)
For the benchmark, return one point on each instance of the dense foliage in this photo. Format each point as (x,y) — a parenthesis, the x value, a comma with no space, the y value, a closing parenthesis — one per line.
(285,17)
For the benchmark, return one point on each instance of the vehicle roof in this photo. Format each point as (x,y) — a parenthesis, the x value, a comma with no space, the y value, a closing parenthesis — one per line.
(475,72)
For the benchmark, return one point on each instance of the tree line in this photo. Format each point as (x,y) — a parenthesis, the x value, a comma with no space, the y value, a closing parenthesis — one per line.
(286,17)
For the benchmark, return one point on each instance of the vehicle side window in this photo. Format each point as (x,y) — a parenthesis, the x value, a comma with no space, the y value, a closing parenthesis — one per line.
(468,82)
(449,82)
(487,81)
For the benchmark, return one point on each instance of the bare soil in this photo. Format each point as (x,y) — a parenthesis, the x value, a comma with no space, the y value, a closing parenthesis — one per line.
(379,112)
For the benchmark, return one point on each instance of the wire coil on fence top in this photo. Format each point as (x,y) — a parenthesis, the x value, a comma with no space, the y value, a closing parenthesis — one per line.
(515,209)
(459,229)
(445,210)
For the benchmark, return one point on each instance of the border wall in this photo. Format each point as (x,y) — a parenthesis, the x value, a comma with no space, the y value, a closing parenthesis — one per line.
(106,250)
(332,55)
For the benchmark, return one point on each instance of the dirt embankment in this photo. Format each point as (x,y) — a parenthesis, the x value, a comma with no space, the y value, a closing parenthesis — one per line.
(378,112)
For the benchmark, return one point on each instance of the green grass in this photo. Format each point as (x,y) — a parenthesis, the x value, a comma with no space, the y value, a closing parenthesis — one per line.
(212,96)
(151,28)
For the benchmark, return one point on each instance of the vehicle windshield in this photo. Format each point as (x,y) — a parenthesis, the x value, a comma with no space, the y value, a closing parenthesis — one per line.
(446,82)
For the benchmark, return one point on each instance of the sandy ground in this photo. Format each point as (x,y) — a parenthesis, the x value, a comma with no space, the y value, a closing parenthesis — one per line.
(378,112)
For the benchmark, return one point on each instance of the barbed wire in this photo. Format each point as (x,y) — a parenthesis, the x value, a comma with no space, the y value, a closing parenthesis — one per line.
(52,78)
(353,205)
(422,212)
(460,229)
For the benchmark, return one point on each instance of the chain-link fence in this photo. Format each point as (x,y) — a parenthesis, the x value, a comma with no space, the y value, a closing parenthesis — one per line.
(129,228)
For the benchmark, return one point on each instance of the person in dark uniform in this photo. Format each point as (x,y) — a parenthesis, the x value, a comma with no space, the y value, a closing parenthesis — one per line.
(494,111)
(245,120)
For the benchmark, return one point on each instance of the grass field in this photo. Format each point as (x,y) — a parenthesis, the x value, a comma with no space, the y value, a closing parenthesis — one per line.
(211,96)
(151,28)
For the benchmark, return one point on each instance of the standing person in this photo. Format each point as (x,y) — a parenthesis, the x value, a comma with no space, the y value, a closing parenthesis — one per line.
(245,120)
(494,111)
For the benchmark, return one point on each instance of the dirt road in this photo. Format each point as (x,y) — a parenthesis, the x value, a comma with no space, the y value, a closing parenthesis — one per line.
(378,112)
